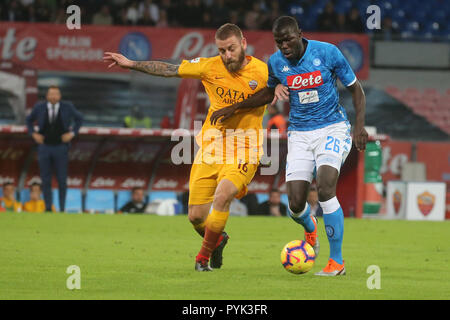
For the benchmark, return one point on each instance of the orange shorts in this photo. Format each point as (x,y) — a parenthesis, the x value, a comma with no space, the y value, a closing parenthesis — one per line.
(205,178)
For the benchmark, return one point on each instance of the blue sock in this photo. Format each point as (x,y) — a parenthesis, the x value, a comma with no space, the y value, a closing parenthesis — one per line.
(304,219)
(334,226)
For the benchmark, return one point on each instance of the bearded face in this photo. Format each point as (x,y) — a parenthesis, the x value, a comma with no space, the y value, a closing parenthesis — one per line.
(234,64)
(232,52)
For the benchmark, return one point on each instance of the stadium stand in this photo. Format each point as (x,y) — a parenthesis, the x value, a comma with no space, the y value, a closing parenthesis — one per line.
(430,22)
(429,103)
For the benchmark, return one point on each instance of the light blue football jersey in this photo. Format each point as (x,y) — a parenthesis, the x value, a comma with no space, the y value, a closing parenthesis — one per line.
(313,93)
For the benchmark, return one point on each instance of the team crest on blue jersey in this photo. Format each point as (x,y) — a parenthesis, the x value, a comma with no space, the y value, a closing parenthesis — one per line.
(316,62)
(253,84)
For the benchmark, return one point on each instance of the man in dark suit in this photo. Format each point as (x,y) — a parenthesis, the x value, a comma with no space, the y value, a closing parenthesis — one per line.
(54,118)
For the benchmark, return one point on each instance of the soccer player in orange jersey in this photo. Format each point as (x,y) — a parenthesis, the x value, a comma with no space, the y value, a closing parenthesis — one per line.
(228,78)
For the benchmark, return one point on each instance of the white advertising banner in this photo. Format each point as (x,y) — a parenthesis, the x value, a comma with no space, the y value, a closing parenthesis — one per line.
(425,201)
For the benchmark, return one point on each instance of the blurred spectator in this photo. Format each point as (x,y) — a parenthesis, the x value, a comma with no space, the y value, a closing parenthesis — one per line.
(8,201)
(220,13)
(273,206)
(133,13)
(235,18)
(251,202)
(103,17)
(36,204)
(42,11)
(341,23)
(171,11)
(163,21)
(137,119)
(121,17)
(31,14)
(313,200)
(253,18)
(277,120)
(274,13)
(195,11)
(327,21)
(354,22)
(119,3)
(150,10)
(27,3)
(166,121)
(387,31)
(61,16)
(137,203)
(146,19)
(13,12)
(207,20)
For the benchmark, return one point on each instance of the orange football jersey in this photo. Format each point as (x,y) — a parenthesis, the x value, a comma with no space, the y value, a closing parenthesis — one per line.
(244,129)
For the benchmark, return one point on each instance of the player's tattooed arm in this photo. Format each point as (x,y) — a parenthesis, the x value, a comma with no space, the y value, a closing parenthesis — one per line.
(156,68)
(261,98)
(360,135)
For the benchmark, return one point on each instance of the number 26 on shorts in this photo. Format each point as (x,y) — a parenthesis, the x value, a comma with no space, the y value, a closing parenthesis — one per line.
(332,144)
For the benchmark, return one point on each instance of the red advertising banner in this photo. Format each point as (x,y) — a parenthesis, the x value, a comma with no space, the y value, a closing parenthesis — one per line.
(395,155)
(124,165)
(170,177)
(436,156)
(13,155)
(81,155)
(54,47)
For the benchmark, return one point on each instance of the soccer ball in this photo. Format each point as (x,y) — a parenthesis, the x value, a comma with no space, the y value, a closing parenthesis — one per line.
(298,257)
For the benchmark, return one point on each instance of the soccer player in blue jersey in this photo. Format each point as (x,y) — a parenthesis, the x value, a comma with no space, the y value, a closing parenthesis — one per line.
(305,72)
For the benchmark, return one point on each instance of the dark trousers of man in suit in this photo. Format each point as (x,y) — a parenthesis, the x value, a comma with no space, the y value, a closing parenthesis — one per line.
(53,159)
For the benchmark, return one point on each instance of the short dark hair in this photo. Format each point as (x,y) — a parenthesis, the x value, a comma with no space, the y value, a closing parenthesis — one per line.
(35,184)
(275,190)
(8,183)
(228,30)
(53,87)
(136,188)
(284,22)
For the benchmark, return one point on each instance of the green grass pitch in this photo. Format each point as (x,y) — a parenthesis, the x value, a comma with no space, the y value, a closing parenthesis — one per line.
(152,257)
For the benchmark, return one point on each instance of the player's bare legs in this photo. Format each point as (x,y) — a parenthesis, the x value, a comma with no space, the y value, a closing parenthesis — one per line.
(297,194)
(225,193)
(197,216)
(300,212)
(215,224)
(333,217)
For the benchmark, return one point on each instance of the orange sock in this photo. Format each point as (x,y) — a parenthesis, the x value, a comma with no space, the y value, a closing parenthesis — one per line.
(213,230)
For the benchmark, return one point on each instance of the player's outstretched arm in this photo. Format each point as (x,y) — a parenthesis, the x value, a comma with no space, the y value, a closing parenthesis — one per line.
(360,135)
(155,68)
(261,98)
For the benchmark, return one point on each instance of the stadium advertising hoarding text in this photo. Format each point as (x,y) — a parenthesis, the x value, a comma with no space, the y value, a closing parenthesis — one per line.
(53,47)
